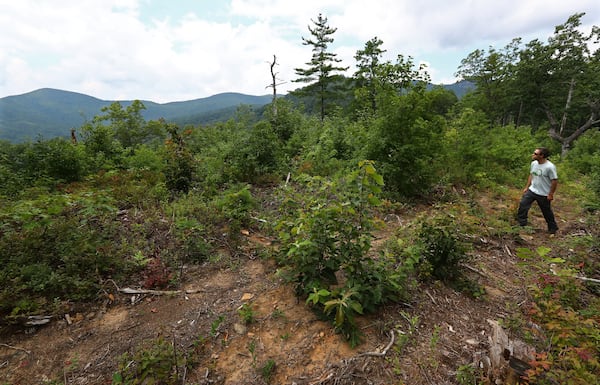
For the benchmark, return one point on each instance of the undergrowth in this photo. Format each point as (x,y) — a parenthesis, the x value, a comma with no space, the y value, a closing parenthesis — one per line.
(565,316)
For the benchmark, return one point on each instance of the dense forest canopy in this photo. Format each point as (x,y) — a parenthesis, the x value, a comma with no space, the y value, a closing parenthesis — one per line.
(335,149)
(551,86)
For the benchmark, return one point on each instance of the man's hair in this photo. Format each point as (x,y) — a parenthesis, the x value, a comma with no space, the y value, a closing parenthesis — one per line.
(544,152)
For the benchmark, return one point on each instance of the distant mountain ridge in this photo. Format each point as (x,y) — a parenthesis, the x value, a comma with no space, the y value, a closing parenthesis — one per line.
(49,112)
(460,88)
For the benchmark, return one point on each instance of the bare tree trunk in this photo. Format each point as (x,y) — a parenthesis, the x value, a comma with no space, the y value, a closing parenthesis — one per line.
(556,130)
(274,85)
(518,122)
(566,142)
(563,123)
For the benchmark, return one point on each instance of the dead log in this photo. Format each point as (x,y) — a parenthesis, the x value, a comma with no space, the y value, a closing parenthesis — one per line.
(127,290)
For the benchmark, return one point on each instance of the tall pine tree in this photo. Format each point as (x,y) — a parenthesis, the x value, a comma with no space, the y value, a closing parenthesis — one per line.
(322,74)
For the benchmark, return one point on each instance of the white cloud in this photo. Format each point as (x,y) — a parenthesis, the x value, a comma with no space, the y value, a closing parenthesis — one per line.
(152,50)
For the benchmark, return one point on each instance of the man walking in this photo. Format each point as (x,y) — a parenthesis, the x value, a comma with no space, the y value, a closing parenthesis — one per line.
(540,188)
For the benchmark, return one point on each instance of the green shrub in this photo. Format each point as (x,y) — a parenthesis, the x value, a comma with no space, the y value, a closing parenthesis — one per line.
(158,363)
(197,226)
(584,157)
(131,188)
(477,154)
(44,163)
(563,323)
(61,160)
(267,370)
(247,314)
(255,153)
(442,249)
(179,168)
(326,235)
(405,142)
(102,147)
(12,183)
(145,158)
(236,205)
(332,148)
(594,180)
(194,238)
(58,247)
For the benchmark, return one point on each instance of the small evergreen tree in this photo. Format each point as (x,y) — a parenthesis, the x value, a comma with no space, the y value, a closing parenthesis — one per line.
(321,75)
(180,162)
(367,75)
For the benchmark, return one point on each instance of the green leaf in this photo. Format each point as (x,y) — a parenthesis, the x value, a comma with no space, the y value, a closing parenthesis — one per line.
(370,170)
(543,251)
(357,307)
(378,179)
(117,379)
(373,200)
(525,253)
(330,304)
(339,317)
(313,297)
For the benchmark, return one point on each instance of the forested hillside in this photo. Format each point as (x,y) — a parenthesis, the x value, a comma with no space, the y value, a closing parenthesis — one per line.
(362,231)
(49,113)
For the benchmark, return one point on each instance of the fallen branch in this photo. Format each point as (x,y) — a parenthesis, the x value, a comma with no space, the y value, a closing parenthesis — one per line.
(424,373)
(431,297)
(195,291)
(37,320)
(588,279)
(322,380)
(580,277)
(384,351)
(469,267)
(342,371)
(127,290)
(16,348)
(259,219)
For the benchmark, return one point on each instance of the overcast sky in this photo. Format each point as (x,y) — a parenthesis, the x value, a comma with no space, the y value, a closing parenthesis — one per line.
(171,50)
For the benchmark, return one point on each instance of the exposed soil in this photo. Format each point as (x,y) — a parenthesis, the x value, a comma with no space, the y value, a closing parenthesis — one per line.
(204,324)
